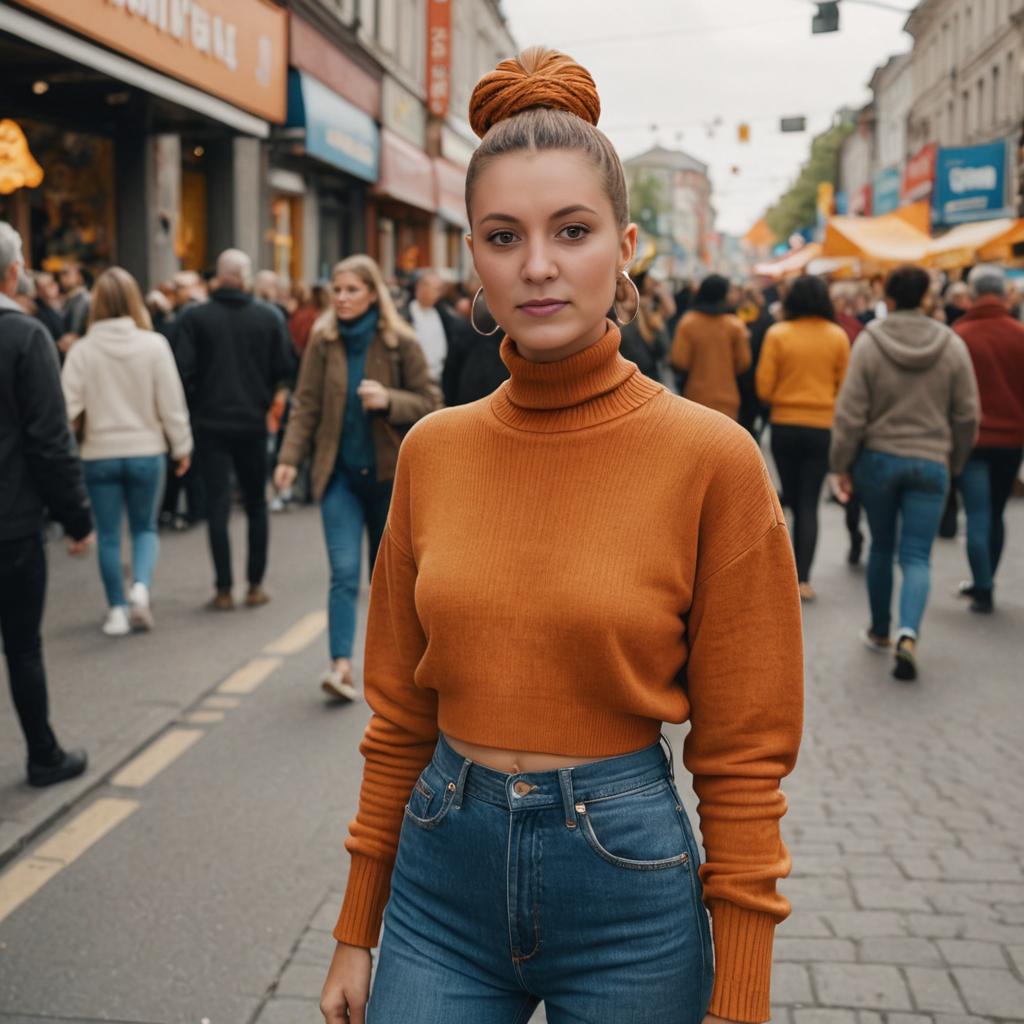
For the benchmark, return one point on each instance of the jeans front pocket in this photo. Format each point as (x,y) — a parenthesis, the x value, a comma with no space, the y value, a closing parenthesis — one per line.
(430,799)
(639,830)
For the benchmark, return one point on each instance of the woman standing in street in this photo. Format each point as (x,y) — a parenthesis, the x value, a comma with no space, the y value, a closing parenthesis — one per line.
(906,418)
(363,379)
(645,339)
(519,828)
(799,373)
(121,378)
(711,349)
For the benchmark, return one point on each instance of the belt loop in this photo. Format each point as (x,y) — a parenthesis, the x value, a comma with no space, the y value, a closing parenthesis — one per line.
(460,786)
(565,784)
(669,757)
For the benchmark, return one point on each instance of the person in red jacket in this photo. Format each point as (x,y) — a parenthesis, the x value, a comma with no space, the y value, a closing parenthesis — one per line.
(996,343)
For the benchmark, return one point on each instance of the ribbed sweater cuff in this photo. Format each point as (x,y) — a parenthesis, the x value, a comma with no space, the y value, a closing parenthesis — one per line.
(369,885)
(743,962)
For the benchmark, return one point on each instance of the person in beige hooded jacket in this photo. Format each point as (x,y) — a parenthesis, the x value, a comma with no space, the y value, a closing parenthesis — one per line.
(121,380)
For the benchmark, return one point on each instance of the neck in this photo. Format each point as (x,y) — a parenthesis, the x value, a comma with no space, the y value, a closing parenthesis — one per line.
(555,355)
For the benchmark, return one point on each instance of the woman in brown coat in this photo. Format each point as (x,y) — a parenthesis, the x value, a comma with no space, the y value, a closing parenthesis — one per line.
(363,380)
(711,349)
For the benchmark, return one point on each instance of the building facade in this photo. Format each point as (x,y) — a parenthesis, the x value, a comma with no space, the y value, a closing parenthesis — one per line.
(686,218)
(300,131)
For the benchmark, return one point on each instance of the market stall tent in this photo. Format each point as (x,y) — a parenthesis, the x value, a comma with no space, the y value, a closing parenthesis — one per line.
(877,242)
(973,243)
(790,265)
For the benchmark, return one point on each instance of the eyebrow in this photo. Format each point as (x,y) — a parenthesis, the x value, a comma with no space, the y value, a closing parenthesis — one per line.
(564,212)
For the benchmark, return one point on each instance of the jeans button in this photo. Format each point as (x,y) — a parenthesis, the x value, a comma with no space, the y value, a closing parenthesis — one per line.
(521,788)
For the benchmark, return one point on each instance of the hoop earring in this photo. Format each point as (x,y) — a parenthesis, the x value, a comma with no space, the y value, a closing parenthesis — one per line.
(636,311)
(472,317)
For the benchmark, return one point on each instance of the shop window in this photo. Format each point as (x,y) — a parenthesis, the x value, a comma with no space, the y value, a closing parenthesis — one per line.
(70,216)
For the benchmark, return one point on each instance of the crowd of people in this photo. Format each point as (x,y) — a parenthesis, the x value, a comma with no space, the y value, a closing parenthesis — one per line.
(212,387)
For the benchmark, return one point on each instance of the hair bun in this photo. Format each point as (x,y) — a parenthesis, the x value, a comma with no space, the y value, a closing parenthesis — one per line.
(536,78)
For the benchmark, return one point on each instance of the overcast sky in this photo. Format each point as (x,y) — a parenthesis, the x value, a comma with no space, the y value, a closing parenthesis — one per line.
(680,64)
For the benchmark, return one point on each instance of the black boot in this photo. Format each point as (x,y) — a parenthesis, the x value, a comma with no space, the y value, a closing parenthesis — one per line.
(981,601)
(856,548)
(69,765)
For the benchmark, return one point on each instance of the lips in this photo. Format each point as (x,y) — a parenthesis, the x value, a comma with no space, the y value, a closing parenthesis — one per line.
(543,307)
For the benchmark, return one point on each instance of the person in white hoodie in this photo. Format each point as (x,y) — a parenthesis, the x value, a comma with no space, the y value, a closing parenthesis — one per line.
(121,379)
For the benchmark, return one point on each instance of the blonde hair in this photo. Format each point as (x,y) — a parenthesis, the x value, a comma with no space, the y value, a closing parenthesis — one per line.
(366,269)
(116,294)
(543,100)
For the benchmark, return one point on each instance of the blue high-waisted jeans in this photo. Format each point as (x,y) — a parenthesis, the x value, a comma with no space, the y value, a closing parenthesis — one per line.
(578,887)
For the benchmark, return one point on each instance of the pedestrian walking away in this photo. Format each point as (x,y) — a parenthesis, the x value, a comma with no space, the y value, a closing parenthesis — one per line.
(519,835)
(995,341)
(364,380)
(799,373)
(120,378)
(907,413)
(40,474)
(233,352)
(711,349)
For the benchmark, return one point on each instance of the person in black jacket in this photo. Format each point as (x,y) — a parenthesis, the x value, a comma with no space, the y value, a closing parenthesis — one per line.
(473,368)
(39,471)
(233,352)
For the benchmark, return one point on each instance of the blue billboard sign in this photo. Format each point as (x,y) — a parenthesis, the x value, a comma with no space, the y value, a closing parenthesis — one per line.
(886,191)
(971,183)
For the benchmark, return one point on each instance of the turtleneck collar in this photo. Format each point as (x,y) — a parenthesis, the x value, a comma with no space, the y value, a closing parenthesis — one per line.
(590,387)
(358,333)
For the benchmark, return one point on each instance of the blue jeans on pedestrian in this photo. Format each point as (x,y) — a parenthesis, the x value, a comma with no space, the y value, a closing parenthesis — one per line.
(353,501)
(904,498)
(578,887)
(974,485)
(133,484)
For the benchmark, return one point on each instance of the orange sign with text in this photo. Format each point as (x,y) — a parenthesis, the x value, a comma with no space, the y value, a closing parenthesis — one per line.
(236,50)
(439,56)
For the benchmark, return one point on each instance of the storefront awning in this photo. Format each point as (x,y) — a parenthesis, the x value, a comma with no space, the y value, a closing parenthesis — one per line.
(883,241)
(450,188)
(968,243)
(406,173)
(337,132)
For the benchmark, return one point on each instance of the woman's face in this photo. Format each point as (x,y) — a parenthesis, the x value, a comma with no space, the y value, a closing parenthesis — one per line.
(547,247)
(352,297)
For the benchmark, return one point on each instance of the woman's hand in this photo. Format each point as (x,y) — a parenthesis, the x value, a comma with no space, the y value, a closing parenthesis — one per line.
(841,485)
(374,396)
(79,547)
(284,476)
(183,465)
(347,988)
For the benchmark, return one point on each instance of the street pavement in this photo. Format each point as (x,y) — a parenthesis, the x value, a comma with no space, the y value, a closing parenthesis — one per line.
(194,874)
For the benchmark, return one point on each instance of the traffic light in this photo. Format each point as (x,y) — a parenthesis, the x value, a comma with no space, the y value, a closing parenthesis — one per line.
(827,18)
(743,132)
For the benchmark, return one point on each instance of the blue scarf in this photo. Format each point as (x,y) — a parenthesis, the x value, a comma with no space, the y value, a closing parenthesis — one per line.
(356,450)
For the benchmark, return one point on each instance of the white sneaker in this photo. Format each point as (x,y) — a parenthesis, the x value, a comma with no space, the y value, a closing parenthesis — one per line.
(336,685)
(140,615)
(117,623)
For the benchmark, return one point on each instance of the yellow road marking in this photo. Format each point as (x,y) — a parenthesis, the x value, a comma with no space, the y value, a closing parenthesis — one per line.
(27,877)
(156,757)
(223,703)
(249,676)
(205,717)
(300,636)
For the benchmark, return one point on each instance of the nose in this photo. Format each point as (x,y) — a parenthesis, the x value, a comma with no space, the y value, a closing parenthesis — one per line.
(539,265)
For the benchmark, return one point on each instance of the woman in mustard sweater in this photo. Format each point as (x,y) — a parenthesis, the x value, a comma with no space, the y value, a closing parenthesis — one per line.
(520,832)
(803,362)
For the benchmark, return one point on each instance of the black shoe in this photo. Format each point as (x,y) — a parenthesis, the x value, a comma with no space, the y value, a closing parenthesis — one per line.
(71,764)
(856,550)
(966,589)
(905,668)
(981,601)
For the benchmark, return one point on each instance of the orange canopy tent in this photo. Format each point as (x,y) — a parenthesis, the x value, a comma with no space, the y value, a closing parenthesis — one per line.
(877,242)
(791,264)
(971,243)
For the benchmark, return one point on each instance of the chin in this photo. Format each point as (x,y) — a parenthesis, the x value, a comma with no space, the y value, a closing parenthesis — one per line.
(544,337)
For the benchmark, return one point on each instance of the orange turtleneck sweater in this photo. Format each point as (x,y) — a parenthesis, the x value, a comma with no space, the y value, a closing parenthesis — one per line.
(568,564)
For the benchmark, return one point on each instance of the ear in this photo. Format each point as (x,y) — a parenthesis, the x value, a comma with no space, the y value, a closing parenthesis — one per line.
(627,246)
(469,242)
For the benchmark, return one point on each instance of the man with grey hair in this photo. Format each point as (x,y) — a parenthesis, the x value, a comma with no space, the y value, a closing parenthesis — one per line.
(995,340)
(232,353)
(40,473)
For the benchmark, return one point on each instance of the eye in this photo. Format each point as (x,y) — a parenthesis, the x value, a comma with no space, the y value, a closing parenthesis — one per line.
(575,232)
(502,237)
